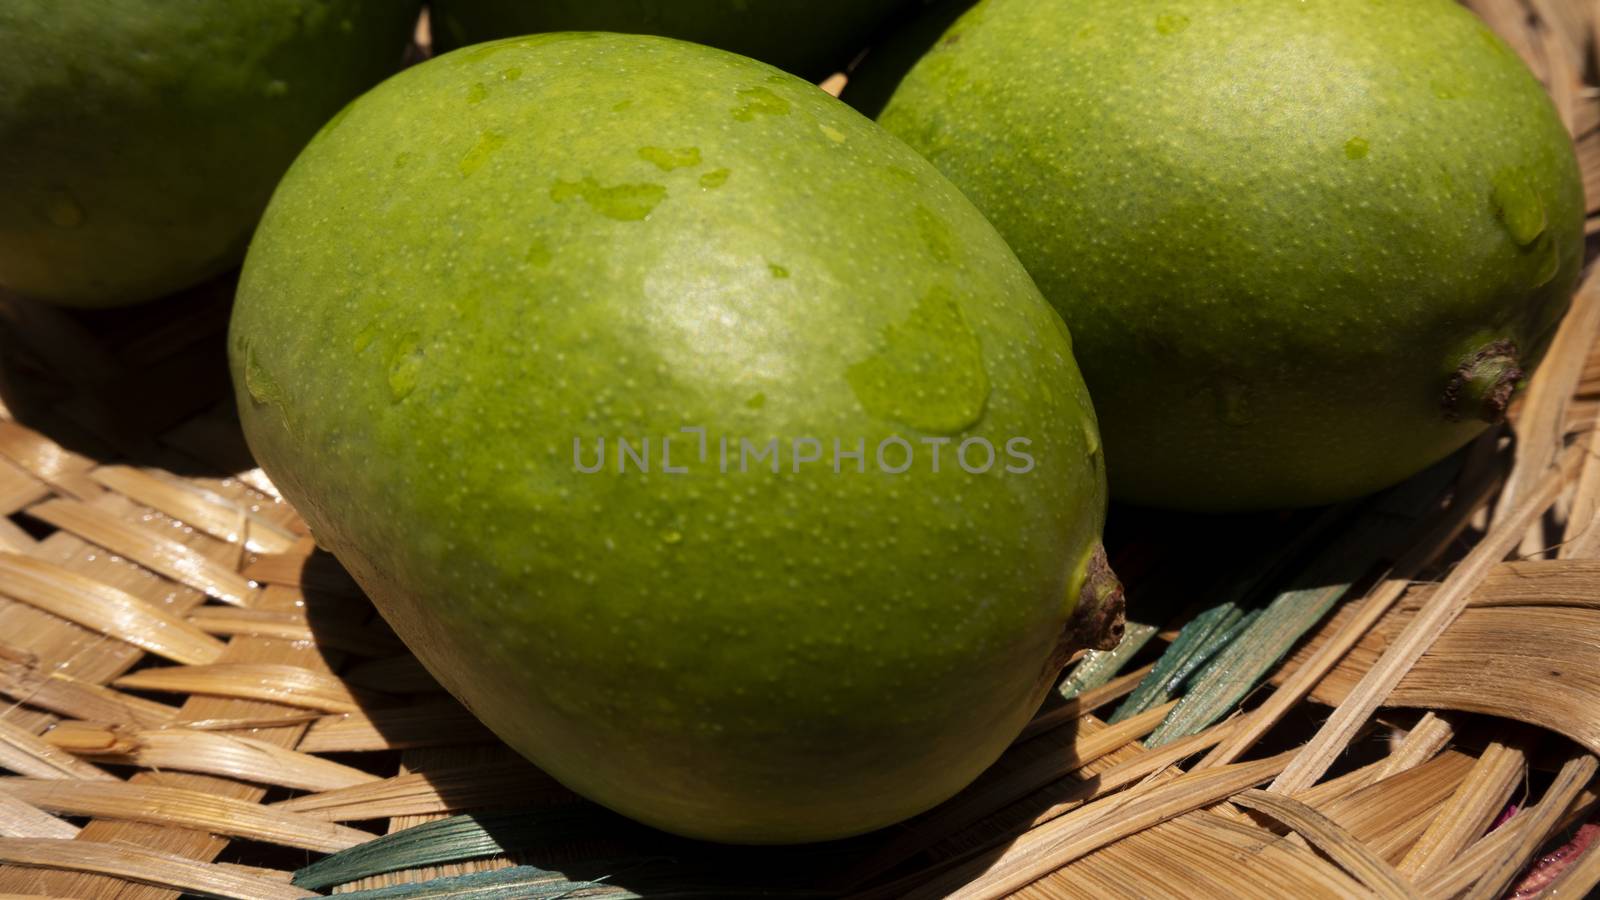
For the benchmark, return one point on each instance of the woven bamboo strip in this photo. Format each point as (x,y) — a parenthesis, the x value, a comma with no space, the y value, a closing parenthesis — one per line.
(187,843)
(19,819)
(1443,608)
(1333,840)
(140,544)
(57,649)
(44,459)
(100,607)
(434,791)
(1459,876)
(422,761)
(21,751)
(1469,813)
(340,633)
(190,750)
(1259,864)
(1199,855)
(1573,777)
(427,724)
(275,683)
(183,808)
(162,870)
(1051,846)
(208,512)
(1370,610)
(23,682)
(18,488)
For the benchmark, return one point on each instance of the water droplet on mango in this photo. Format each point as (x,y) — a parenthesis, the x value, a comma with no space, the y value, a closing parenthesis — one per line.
(1517,206)
(667,160)
(405,367)
(758,101)
(929,373)
(623,202)
(488,143)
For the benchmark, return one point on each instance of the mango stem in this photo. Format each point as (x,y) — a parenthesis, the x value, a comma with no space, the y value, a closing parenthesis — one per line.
(1100,616)
(1483,384)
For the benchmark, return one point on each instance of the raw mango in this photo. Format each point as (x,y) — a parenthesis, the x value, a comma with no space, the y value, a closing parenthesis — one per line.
(1305,249)
(694,432)
(140,139)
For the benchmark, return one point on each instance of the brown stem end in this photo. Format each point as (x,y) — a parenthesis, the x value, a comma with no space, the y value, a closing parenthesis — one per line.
(1484,383)
(1100,616)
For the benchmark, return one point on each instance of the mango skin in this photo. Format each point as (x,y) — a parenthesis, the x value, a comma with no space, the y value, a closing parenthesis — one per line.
(581,235)
(812,38)
(1275,229)
(140,139)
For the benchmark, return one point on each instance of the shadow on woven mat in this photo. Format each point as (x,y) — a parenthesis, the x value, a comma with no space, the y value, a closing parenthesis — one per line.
(105,384)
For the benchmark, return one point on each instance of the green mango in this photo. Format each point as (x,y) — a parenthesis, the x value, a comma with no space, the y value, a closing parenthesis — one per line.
(501,264)
(813,38)
(1305,249)
(141,139)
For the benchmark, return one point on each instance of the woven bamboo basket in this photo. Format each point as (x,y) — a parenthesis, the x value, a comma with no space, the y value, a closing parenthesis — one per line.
(1397,697)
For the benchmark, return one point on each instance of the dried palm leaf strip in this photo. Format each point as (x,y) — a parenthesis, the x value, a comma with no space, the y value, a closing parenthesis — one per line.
(162,870)
(430,724)
(18,488)
(1443,608)
(168,839)
(183,808)
(338,631)
(214,753)
(1541,424)
(273,682)
(1374,607)
(427,760)
(103,608)
(19,819)
(1459,875)
(1390,814)
(1053,845)
(185,502)
(59,648)
(1467,815)
(147,548)
(1581,540)
(314,573)
(1258,862)
(1333,840)
(444,790)
(1024,769)
(23,682)
(44,459)
(1199,855)
(1492,660)
(24,752)
(1544,818)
